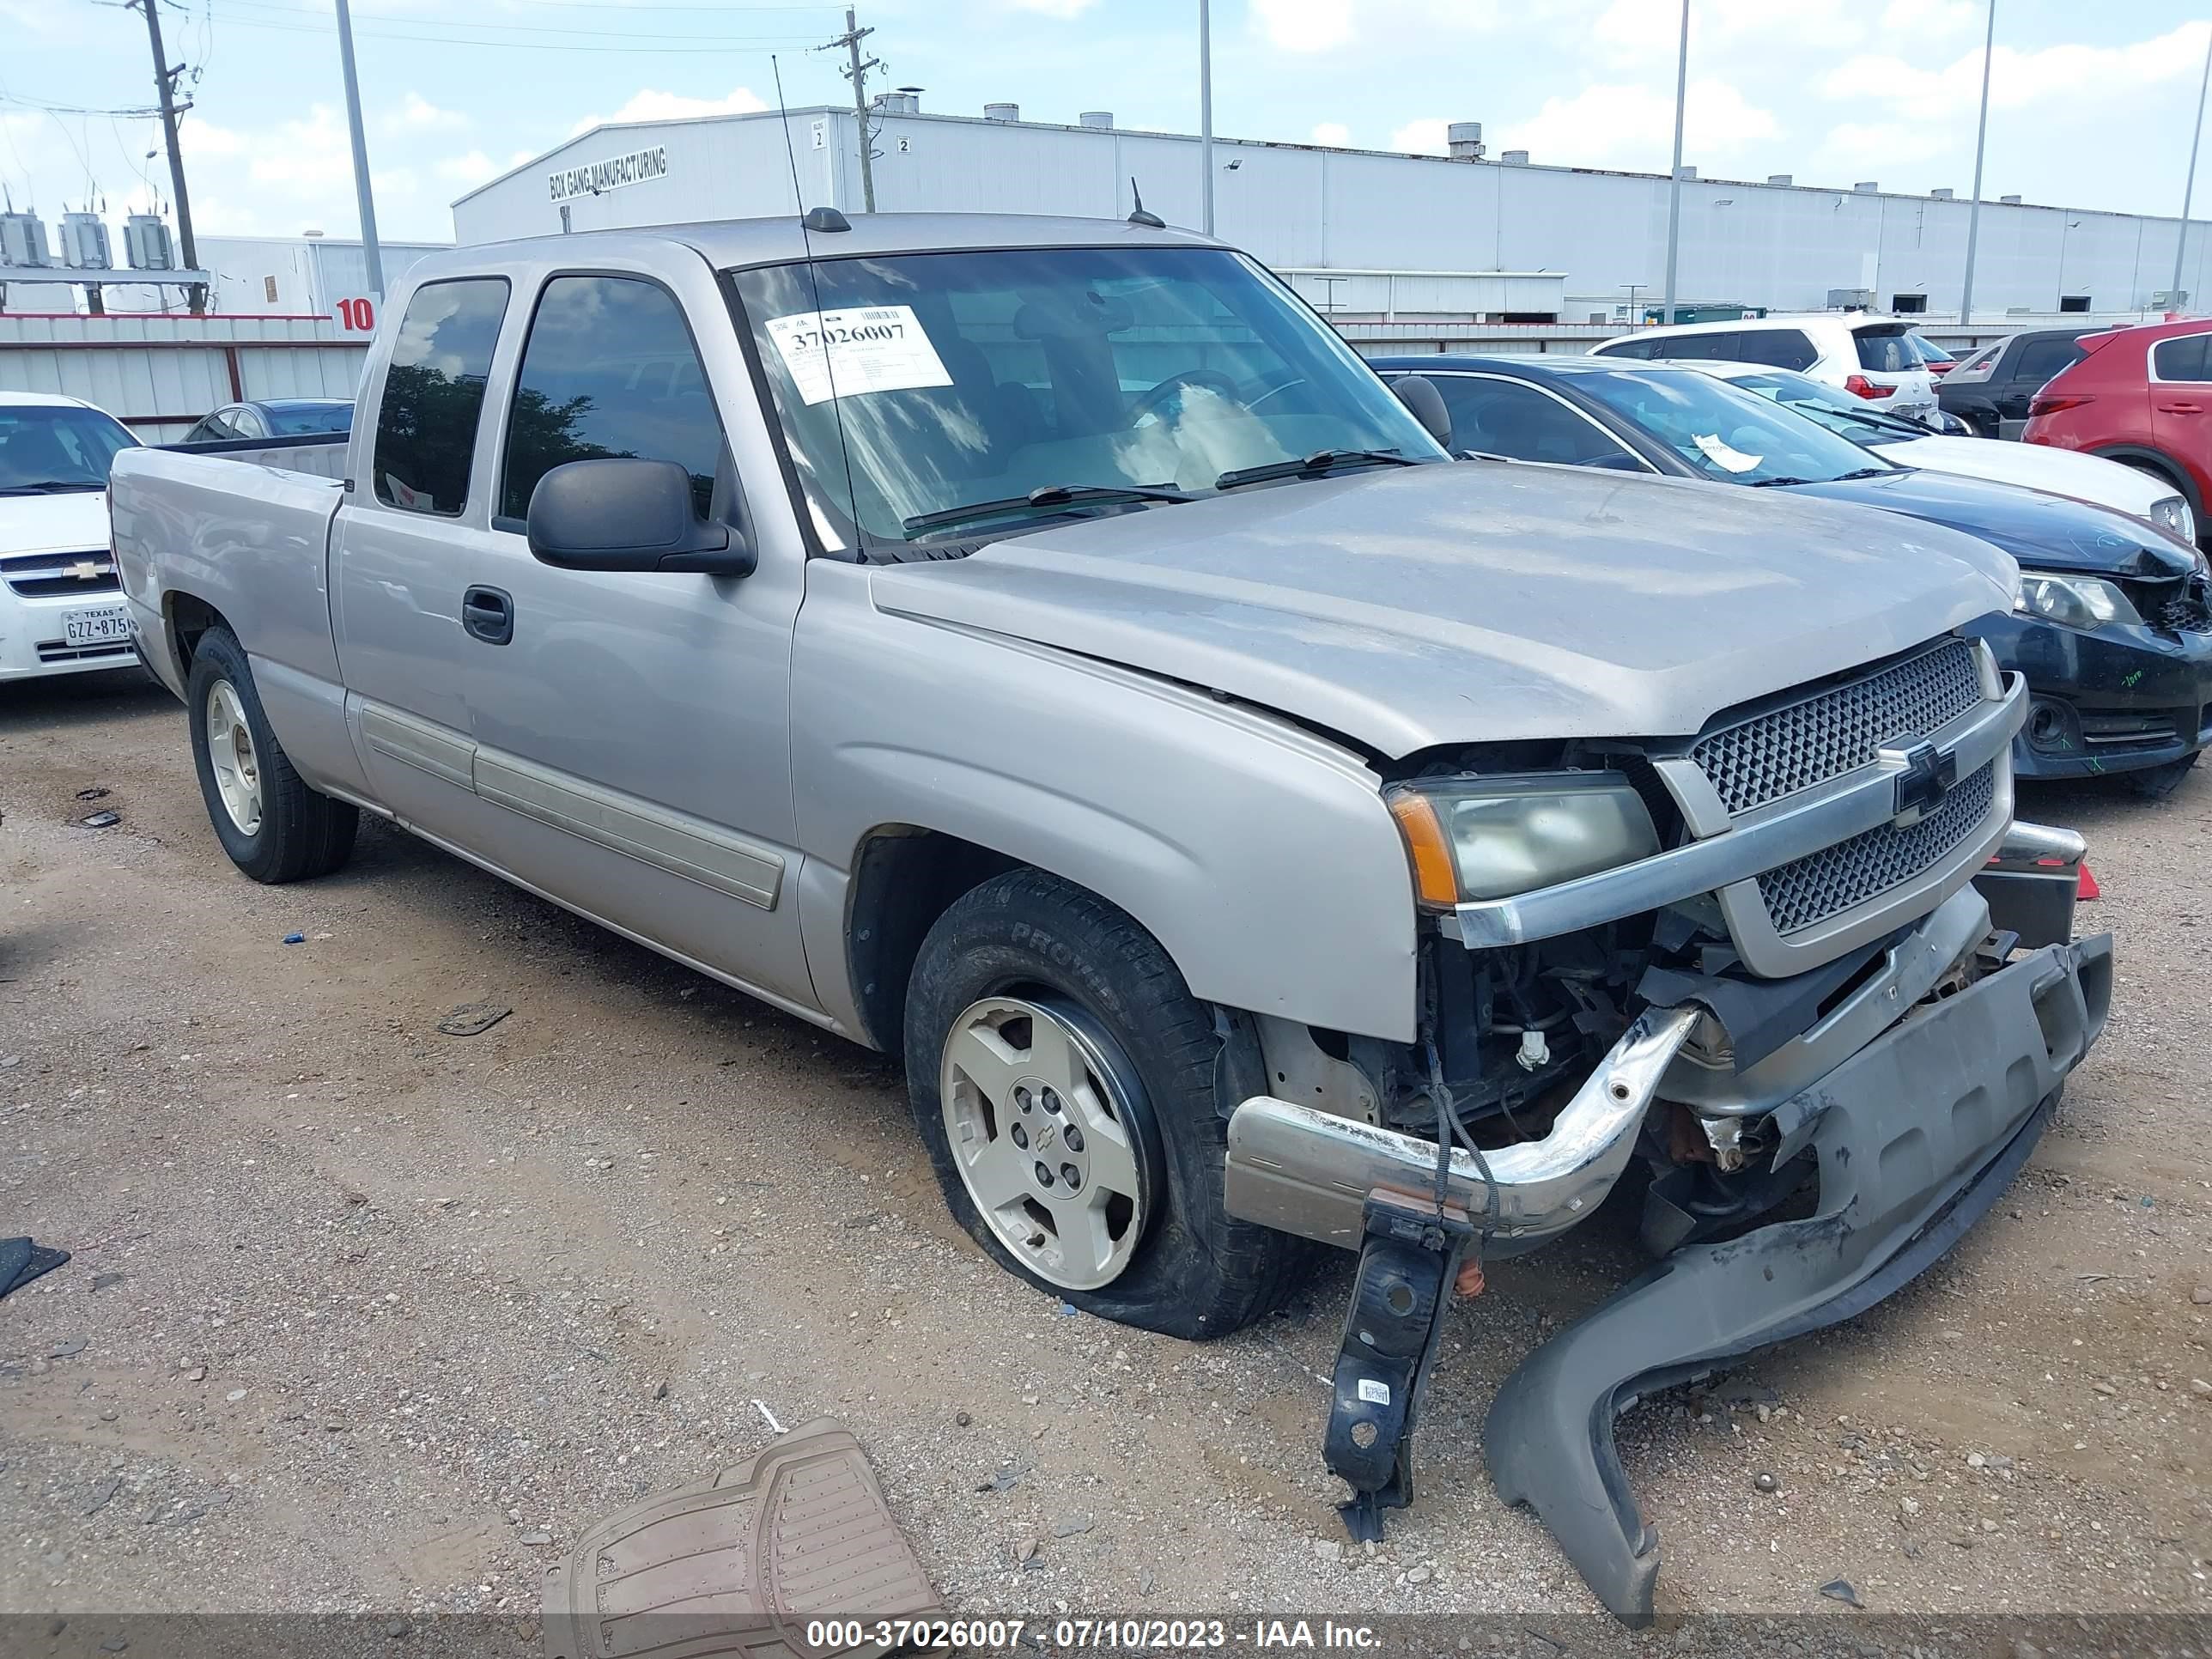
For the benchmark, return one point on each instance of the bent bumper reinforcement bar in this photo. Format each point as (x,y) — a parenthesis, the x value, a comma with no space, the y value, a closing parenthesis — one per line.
(1310,1172)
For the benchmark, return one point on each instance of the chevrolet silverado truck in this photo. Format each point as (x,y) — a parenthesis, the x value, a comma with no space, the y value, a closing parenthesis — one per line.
(1040,648)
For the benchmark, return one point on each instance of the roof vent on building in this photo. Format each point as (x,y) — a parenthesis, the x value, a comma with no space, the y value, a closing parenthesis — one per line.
(1514,158)
(1002,111)
(1942,193)
(1101,118)
(2009,201)
(1689,173)
(1867,186)
(1463,140)
(899,103)
(1779,178)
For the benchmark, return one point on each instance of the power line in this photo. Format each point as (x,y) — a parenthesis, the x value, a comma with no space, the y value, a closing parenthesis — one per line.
(309,14)
(753,48)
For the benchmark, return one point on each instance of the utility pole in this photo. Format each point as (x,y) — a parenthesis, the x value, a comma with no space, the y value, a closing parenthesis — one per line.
(2189,189)
(1205,111)
(164,82)
(858,74)
(1981,140)
(363,195)
(1675,179)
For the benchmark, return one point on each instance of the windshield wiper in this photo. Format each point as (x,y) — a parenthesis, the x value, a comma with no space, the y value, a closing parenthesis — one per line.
(1043,498)
(1863,472)
(1321,460)
(49,487)
(1769,484)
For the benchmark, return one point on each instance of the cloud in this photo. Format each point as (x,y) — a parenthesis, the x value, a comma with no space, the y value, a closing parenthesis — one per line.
(418,114)
(1634,126)
(198,138)
(651,105)
(1334,134)
(2069,73)
(1304,25)
(468,170)
(1423,137)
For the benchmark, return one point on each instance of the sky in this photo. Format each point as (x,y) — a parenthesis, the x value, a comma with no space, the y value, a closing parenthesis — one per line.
(2090,105)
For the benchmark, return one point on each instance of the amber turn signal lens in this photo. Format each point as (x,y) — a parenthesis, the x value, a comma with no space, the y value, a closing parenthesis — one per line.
(1436,878)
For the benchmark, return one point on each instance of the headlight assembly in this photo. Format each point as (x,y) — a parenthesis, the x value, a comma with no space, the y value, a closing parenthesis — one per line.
(2172,516)
(2072,601)
(1473,838)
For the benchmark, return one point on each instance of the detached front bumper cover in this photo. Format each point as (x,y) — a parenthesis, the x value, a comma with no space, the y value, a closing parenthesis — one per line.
(1917,1135)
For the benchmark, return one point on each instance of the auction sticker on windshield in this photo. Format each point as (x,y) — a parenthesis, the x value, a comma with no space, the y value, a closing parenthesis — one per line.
(862,349)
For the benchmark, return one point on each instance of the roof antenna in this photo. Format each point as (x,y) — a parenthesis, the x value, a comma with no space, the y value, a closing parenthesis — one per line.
(822,219)
(1137,215)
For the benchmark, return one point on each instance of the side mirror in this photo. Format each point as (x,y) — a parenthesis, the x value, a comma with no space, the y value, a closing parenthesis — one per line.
(1420,395)
(628,514)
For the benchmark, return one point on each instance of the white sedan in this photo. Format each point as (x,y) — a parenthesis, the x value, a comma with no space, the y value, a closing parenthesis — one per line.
(61,609)
(2060,472)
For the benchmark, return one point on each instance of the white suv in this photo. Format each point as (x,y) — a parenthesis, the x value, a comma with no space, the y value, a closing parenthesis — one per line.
(61,608)
(1877,358)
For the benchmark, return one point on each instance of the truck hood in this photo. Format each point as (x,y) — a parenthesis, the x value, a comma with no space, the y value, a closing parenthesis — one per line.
(75,523)
(1411,606)
(2046,531)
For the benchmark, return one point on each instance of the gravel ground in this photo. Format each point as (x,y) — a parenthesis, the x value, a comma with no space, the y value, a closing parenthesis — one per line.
(366,1317)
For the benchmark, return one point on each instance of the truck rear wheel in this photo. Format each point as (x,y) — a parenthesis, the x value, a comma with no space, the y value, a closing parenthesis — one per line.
(274,828)
(1062,1077)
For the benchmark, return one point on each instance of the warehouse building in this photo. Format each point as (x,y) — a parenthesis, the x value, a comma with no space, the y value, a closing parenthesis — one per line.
(1368,235)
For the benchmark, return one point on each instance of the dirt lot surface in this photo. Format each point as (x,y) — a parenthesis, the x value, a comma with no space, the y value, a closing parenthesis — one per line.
(365,1316)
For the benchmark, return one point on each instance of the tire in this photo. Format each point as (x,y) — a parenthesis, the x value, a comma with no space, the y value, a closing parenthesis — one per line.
(290,832)
(2161,782)
(1191,1270)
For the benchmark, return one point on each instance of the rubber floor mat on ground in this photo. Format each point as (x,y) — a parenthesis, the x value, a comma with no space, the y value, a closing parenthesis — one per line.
(741,1564)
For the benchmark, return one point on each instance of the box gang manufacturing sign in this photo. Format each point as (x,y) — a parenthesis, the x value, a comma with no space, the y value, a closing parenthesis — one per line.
(613,173)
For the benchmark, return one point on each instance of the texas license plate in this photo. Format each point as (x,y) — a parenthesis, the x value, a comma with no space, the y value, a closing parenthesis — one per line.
(101,624)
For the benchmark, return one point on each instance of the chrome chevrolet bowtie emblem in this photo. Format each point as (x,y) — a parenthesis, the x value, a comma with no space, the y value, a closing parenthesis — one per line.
(87,570)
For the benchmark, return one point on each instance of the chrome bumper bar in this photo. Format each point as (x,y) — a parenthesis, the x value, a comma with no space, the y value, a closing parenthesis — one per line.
(1758,842)
(1310,1172)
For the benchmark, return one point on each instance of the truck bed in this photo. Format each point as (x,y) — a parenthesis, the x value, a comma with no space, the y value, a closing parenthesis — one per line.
(245,540)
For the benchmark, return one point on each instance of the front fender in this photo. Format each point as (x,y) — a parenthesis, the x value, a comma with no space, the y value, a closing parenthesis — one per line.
(1259,855)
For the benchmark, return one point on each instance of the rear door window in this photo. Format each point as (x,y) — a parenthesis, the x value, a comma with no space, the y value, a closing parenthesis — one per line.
(1886,350)
(609,371)
(434,394)
(2041,359)
(1779,348)
(1724,346)
(2182,359)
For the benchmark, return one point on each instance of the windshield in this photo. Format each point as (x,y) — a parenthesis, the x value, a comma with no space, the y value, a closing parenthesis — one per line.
(301,420)
(1839,411)
(1735,436)
(917,384)
(56,448)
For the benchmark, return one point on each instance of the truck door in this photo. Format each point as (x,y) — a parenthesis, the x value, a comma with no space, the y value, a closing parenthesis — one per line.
(632,726)
(412,521)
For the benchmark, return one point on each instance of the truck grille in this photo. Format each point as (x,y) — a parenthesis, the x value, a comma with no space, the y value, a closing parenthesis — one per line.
(1834,879)
(48,575)
(1805,744)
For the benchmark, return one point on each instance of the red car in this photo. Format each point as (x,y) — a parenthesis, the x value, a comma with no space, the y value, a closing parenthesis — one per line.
(2139,395)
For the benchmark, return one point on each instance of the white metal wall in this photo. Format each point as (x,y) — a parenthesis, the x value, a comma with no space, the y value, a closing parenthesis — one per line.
(1299,205)
(159,374)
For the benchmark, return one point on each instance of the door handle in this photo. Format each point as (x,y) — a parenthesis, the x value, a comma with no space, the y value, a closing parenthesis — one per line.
(2178,407)
(487,614)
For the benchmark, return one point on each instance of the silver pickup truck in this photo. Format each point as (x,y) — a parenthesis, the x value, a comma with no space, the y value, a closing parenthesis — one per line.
(1042,649)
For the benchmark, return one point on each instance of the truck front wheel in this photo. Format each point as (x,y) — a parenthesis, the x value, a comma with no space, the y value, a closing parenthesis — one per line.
(1062,1077)
(274,828)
